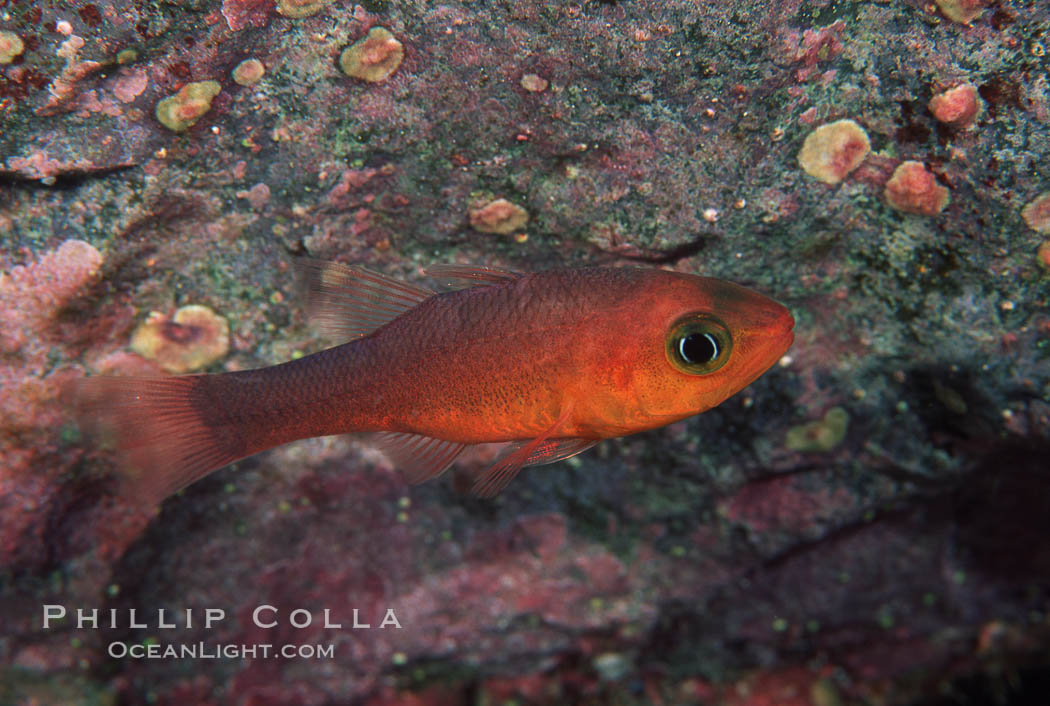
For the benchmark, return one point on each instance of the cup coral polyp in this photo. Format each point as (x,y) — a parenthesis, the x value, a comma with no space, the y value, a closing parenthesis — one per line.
(957,106)
(1037,213)
(964,11)
(914,189)
(373,58)
(499,216)
(534,83)
(301,8)
(834,150)
(180,111)
(1043,255)
(248,72)
(11,45)
(192,339)
(819,436)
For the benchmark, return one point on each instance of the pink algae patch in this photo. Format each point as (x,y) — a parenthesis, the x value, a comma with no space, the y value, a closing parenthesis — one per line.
(41,165)
(130,86)
(30,295)
(539,569)
(793,686)
(62,88)
(832,151)
(244,13)
(809,47)
(1037,213)
(258,196)
(822,43)
(957,106)
(781,505)
(345,193)
(914,189)
(89,102)
(545,534)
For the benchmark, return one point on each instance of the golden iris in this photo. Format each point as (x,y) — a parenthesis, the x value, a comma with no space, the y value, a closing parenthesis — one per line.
(698,344)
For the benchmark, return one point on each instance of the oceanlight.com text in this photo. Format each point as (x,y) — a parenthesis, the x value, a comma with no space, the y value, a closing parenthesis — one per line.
(205,650)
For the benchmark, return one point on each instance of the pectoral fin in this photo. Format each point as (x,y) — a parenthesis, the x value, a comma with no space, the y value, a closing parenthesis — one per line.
(552,450)
(536,452)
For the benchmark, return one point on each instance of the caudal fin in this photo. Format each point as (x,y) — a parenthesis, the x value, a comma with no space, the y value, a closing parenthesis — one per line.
(166,431)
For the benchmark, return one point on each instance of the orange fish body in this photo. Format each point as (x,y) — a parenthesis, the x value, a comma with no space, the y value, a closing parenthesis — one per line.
(553,361)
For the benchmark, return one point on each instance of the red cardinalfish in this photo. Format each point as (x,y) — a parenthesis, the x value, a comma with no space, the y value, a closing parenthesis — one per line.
(552,361)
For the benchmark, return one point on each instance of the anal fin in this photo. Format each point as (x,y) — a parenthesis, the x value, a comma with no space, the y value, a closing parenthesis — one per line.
(418,457)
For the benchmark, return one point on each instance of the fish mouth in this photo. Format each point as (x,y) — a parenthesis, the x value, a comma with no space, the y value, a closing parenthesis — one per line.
(770,344)
(785,330)
(780,335)
(782,323)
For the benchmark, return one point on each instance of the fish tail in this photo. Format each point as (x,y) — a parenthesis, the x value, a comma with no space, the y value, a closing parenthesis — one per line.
(167,431)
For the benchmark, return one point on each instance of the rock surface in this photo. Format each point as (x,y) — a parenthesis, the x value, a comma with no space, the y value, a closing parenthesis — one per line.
(707,562)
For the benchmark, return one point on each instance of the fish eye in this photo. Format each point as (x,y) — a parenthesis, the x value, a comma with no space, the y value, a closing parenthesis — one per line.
(698,344)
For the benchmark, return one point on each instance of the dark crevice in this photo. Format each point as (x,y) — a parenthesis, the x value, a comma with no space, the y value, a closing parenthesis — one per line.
(669,257)
(67,181)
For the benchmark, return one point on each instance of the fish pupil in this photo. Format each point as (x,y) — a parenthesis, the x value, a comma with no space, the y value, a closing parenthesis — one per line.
(698,348)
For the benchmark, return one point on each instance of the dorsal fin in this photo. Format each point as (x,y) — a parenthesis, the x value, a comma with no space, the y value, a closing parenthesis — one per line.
(349,302)
(452,276)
